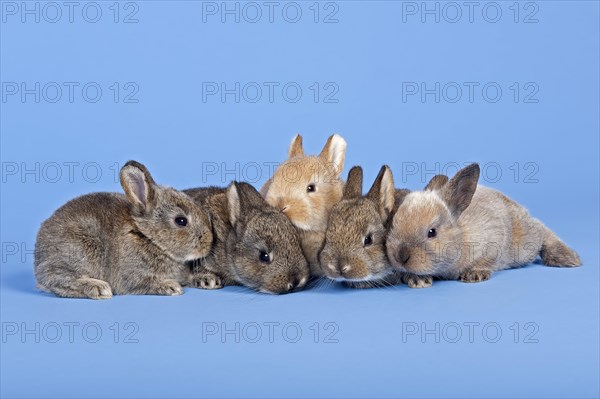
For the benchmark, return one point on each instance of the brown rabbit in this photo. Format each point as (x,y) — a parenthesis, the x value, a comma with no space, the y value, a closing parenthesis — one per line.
(255,245)
(354,250)
(457,230)
(305,188)
(102,244)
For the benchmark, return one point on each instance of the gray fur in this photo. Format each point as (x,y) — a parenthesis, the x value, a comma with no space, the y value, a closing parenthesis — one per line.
(102,244)
(345,256)
(243,226)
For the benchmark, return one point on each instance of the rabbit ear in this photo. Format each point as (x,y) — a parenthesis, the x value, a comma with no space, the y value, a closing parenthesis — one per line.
(382,191)
(353,188)
(436,183)
(399,196)
(249,196)
(139,186)
(334,152)
(233,202)
(458,192)
(241,197)
(295,149)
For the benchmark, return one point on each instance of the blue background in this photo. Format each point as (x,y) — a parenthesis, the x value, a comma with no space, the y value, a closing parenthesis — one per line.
(368,53)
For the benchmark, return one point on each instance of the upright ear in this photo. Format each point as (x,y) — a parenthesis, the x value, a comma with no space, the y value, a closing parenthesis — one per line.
(458,192)
(295,149)
(382,192)
(353,188)
(436,183)
(240,198)
(399,197)
(249,196)
(334,152)
(233,203)
(139,186)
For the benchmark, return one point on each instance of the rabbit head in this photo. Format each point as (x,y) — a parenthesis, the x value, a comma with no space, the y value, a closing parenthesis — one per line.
(168,218)
(264,249)
(425,237)
(355,238)
(305,188)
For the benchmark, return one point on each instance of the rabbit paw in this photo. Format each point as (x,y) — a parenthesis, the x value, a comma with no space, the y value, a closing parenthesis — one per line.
(168,287)
(95,289)
(475,275)
(207,281)
(415,281)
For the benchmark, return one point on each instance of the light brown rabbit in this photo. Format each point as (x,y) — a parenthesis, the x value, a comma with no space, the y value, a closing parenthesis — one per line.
(254,244)
(305,188)
(102,244)
(354,250)
(458,230)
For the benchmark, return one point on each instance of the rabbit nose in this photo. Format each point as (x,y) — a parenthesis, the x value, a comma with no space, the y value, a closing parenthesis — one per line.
(342,266)
(292,284)
(403,255)
(281,205)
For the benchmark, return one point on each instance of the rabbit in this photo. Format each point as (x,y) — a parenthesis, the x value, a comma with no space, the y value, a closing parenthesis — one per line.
(354,250)
(457,230)
(104,244)
(255,244)
(305,188)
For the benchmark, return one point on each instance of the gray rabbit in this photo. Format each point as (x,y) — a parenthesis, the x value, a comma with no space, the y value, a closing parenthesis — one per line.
(255,244)
(102,244)
(455,229)
(354,250)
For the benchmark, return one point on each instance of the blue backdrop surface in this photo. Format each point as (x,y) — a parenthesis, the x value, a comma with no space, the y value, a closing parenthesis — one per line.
(207,92)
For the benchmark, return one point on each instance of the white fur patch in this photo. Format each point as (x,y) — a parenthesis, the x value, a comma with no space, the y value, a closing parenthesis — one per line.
(423,199)
(337,151)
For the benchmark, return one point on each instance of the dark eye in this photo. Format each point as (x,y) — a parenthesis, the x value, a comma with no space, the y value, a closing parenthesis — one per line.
(181,221)
(368,240)
(265,257)
(310,188)
(431,233)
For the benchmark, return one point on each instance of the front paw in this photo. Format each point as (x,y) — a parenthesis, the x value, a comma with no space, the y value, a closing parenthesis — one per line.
(415,281)
(475,276)
(168,287)
(207,281)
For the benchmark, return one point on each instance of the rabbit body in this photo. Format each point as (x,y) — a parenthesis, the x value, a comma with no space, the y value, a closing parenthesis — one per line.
(255,245)
(102,244)
(459,230)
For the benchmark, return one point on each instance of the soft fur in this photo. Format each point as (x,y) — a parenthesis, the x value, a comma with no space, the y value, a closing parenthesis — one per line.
(288,191)
(478,231)
(244,225)
(102,244)
(346,256)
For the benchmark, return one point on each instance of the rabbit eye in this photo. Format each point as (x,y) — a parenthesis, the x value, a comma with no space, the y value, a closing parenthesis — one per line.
(368,240)
(310,188)
(181,221)
(265,257)
(431,233)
